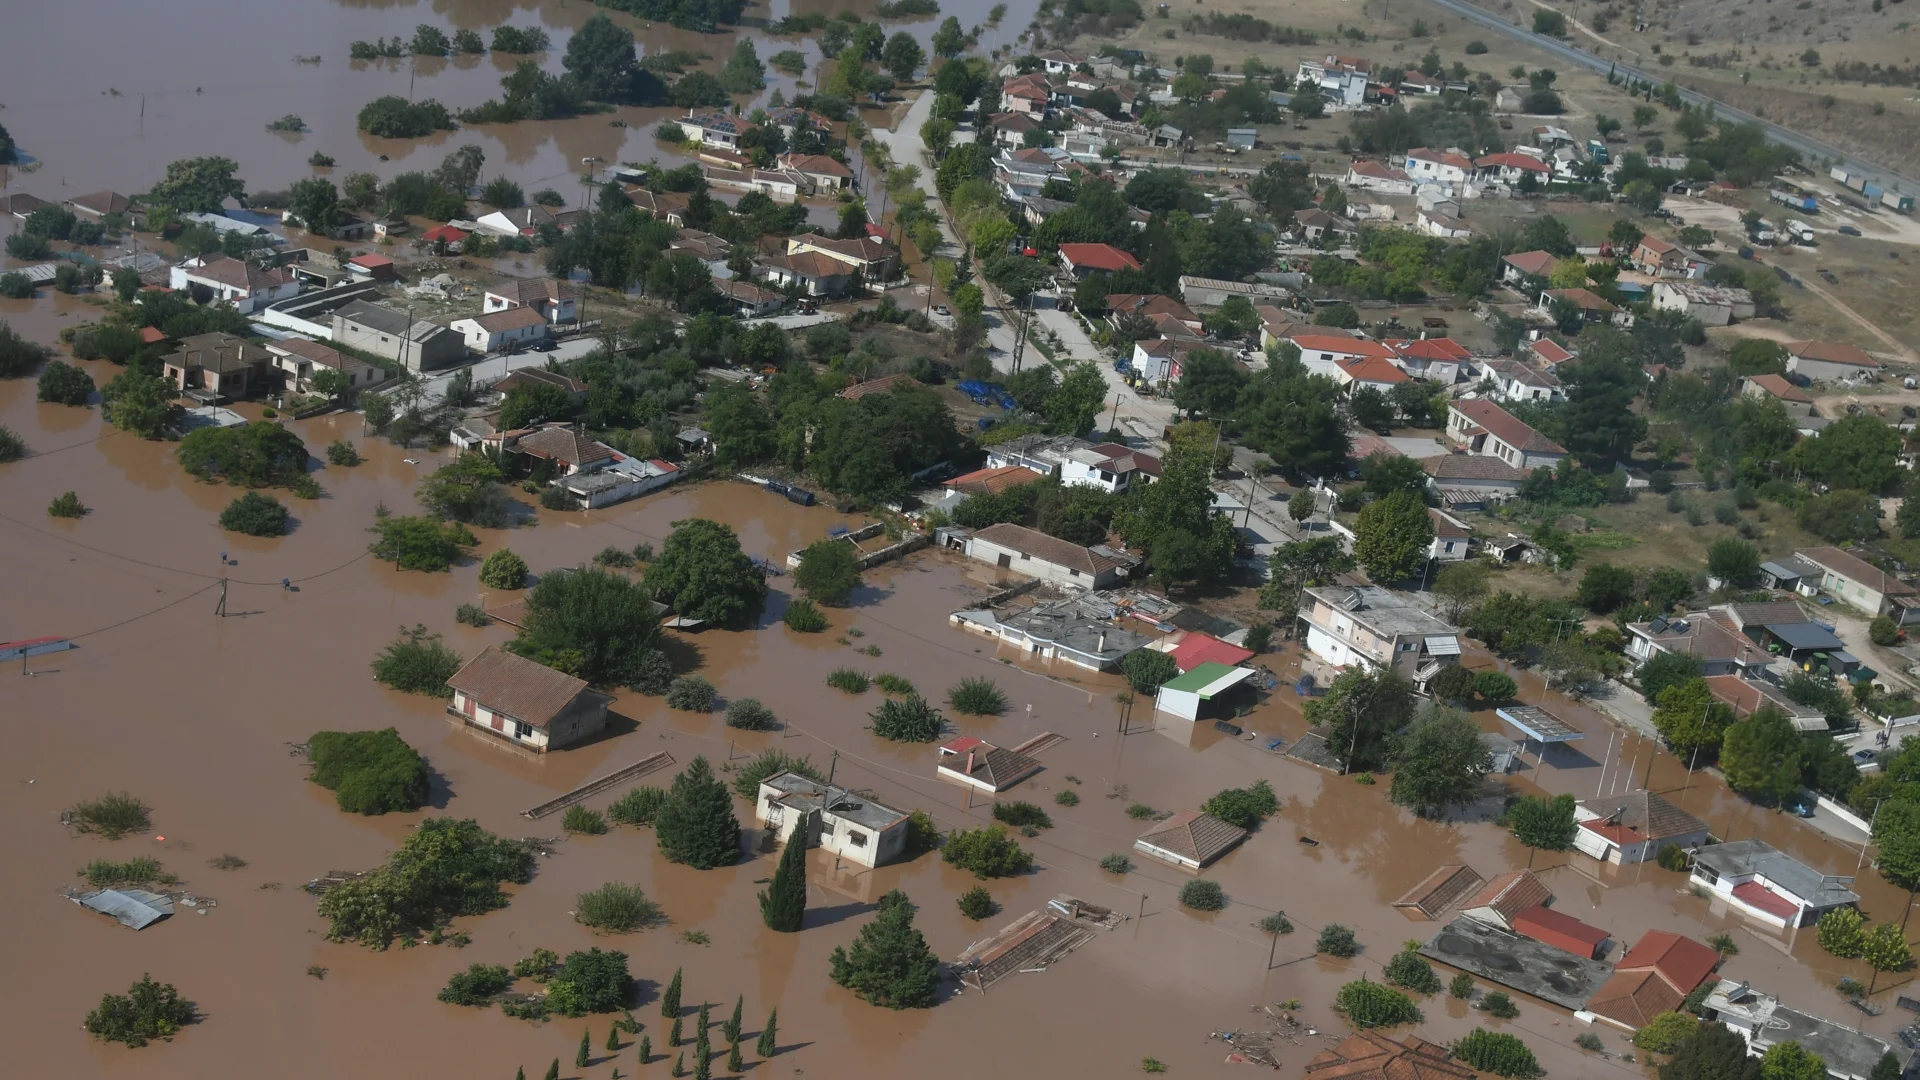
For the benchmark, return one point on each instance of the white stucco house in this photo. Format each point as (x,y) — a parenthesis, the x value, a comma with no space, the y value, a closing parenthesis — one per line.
(835,820)
(506,330)
(238,282)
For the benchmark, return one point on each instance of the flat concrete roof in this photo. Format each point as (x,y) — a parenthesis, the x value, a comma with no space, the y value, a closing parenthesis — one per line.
(1532,967)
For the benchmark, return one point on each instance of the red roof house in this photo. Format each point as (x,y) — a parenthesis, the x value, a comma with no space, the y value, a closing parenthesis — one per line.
(1079,259)
(1197,648)
(1563,932)
(1654,977)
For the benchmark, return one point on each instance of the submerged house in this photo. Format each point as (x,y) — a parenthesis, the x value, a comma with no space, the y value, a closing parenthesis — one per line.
(983,765)
(529,704)
(843,822)
(1768,885)
(1633,828)
(1189,839)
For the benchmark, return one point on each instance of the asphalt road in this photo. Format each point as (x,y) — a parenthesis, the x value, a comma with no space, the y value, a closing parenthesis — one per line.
(1806,144)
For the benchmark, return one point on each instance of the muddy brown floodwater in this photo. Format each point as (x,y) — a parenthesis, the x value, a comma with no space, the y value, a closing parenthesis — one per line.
(194,713)
(206,77)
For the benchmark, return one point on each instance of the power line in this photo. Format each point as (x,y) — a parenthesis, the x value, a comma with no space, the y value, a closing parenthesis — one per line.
(172,569)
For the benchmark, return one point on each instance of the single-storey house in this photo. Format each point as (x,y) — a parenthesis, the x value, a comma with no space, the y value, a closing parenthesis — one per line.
(1713,305)
(519,221)
(507,330)
(1763,1022)
(714,129)
(823,172)
(1375,176)
(1798,403)
(1120,305)
(1441,224)
(873,256)
(1191,648)
(1748,696)
(752,301)
(1515,381)
(1443,166)
(300,359)
(449,235)
(1451,537)
(1111,467)
(983,765)
(1526,264)
(1592,306)
(668,206)
(1564,932)
(567,448)
(1434,359)
(237,281)
(1634,828)
(218,364)
(1827,361)
(1187,696)
(392,334)
(1368,373)
(1465,481)
(1031,552)
(1312,223)
(1489,430)
(624,478)
(1081,259)
(1767,885)
(1720,648)
(1506,896)
(555,301)
(1653,255)
(529,704)
(1440,890)
(1858,583)
(99,205)
(1083,635)
(1370,1055)
(812,273)
(1335,349)
(1655,976)
(1509,167)
(992,481)
(834,819)
(1189,839)
(372,267)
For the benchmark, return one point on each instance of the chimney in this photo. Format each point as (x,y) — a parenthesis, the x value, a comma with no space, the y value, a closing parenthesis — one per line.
(1102,646)
(969,761)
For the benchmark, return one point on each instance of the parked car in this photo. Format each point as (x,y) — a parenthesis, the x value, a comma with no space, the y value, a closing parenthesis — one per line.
(1849,230)
(941,309)
(1863,757)
(1800,808)
(545,345)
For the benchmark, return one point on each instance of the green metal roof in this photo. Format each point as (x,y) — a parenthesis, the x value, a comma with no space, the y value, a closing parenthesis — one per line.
(1202,678)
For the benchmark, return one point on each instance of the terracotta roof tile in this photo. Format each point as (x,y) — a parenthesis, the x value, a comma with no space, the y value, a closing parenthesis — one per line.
(1194,835)
(529,692)
(1511,893)
(1832,352)
(565,444)
(1509,428)
(1046,548)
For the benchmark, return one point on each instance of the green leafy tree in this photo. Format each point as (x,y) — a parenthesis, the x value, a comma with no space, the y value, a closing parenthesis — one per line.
(1762,757)
(369,772)
(1543,823)
(1896,832)
(1605,587)
(1301,565)
(259,454)
(1072,407)
(1453,683)
(1362,711)
(417,663)
(148,1010)
(1392,535)
(1173,518)
(1667,669)
(600,58)
(1601,427)
(503,569)
(783,905)
(62,383)
(902,56)
(314,204)
(889,962)
(1842,933)
(1857,453)
(199,185)
(445,868)
(595,624)
(907,719)
(702,574)
(420,543)
(743,73)
(255,515)
(829,571)
(697,827)
(987,851)
(1791,1061)
(1440,764)
(1885,948)
(1688,718)
(1496,1052)
(1370,1004)
(1243,807)
(1146,669)
(1666,1032)
(1733,561)
(1408,970)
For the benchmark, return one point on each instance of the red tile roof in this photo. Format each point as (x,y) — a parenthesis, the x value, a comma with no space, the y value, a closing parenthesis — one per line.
(1536,263)
(1754,894)
(1633,998)
(1431,349)
(370,261)
(1193,835)
(527,691)
(1198,648)
(566,444)
(993,481)
(1512,161)
(1045,548)
(1507,427)
(1584,299)
(1551,351)
(1443,157)
(151,334)
(1832,352)
(1098,257)
(1372,369)
(444,232)
(1779,387)
(1341,343)
(1369,1055)
(1510,893)
(1681,962)
(1560,931)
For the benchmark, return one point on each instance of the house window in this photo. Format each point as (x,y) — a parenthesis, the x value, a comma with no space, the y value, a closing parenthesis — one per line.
(859,839)
(1024,556)
(826,829)
(1073,573)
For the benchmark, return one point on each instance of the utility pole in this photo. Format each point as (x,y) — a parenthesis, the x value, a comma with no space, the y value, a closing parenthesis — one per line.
(220,607)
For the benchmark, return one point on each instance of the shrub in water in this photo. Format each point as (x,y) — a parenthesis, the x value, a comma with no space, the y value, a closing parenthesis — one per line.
(1500,1005)
(417,663)
(691,693)
(1068,797)
(977,903)
(1116,863)
(477,985)
(1277,923)
(638,806)
(1409,970)
(1371,1004)
(1496,1052)
(580,819)
(748,714)
(503,570)
(1337,940)
(67,505)
(148,1010)
(907,719)
(893,684)
(613,558)
(471,615)
(369,772)
(1021,815)
(976,697)
(343,453)
(848,680)
(1203,895)
(616,908)
(746,779)
(1245,806)
(987,851)
(803,617)
(1461,986)
(112,816)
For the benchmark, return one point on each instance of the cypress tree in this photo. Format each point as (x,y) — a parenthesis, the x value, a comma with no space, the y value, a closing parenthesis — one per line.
(553,1070)
(632,1025)
(889,962)
(520,1073)
(680,1064)
(673,1037)
(613,1037)
(646,1049)
(586,1050)
(734,1064)
(616,1073)
(703,1063)
(766,1047)
(696,826)
(783,906)
(704,1023)
(670,1001)
(731,1029)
